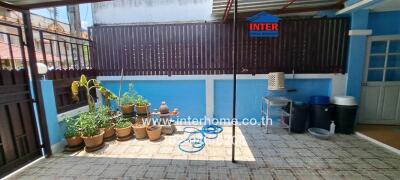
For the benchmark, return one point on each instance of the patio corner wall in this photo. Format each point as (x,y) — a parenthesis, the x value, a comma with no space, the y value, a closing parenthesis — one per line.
(54,117)
(199,96)
(381,24)
(54,127)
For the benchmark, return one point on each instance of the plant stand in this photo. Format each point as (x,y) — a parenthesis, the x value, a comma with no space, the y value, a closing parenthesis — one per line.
(68,150)
(110,138)
(133,114)
(126,138)
(93,149)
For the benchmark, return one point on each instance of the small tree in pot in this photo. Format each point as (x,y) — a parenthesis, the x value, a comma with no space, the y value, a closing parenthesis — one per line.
(72,133)
(91,134)
(123,127)
(128,100)
(105,122)
(142,105)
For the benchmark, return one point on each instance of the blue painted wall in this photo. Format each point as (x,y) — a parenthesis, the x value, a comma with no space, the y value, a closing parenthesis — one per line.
(249,93)
(381,23)
(384,23)
(56,133)
(356,56)
(188,96)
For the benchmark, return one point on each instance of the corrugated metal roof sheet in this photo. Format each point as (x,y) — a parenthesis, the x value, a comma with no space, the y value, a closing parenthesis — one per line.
(32,4)
(219,6)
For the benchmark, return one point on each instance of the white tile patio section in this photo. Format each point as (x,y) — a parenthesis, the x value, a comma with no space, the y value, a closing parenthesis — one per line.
(259,155)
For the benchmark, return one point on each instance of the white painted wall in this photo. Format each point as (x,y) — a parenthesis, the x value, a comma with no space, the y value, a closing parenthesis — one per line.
(151,11)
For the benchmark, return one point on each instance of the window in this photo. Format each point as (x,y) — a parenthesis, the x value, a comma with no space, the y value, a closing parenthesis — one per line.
(384,61)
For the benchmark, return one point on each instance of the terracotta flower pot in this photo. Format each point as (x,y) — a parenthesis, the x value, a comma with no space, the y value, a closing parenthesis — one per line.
(143,109)
(74,141)
(123,132)
(108,132)
(154,132)
(140,131)
(127,109)
(94,141)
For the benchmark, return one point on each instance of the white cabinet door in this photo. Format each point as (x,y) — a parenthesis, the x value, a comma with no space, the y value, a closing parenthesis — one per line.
(371,96)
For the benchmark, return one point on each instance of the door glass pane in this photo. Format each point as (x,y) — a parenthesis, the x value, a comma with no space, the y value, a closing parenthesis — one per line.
(376,61)
(378,47)
(392,75)
(394,47)
(375,75)
(393,61)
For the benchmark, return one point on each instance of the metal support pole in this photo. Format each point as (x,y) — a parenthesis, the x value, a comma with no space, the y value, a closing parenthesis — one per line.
(234,83)
(37,89)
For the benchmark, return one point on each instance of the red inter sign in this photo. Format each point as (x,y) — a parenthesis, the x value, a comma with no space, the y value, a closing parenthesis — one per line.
(264,26)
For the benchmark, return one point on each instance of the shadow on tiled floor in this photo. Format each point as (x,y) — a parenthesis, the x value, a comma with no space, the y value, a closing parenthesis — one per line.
(259,155)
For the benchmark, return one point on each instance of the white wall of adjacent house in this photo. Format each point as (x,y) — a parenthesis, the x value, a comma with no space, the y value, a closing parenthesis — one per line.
(151,11)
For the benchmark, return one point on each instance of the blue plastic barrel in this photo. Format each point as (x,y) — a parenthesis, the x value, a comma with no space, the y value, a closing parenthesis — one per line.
(319,100)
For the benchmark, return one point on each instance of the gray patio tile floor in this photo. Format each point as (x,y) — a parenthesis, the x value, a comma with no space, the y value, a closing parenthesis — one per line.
(259,156)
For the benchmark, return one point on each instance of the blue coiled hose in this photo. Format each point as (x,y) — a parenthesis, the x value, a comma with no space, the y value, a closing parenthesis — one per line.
(198,143)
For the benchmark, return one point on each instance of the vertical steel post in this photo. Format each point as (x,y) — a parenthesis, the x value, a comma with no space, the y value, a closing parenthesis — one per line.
(234,53)
(37,89)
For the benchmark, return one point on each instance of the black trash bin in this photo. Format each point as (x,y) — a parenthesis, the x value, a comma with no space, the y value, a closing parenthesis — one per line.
(345,114)
(300,117)
(321,116)
(321,112)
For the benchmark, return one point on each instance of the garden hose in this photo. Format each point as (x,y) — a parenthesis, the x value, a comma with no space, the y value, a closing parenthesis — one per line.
(197,137)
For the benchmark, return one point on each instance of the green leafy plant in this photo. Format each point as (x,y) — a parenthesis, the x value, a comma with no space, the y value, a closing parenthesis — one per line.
(141,101)
(104,117)
(123,123)
(71,127)
(88,124)
(89,85)
(129,98)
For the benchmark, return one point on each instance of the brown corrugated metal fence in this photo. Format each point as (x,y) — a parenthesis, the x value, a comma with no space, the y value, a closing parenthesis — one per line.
(303,46)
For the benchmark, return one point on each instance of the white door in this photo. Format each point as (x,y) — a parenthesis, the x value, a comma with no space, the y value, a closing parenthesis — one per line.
(380,93)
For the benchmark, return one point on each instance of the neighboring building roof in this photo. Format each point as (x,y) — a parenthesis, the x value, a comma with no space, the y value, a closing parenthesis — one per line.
(17,54)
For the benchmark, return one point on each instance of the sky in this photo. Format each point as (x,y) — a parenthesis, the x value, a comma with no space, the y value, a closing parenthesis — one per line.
(85,10)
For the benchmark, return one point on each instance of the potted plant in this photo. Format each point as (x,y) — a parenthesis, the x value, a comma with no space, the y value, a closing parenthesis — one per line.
(72,134)
(127,104)
(140,130)
(91,134)
(105,122)
(90,85)
(123,127)
(127,101)
(142,105)
(154,132)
